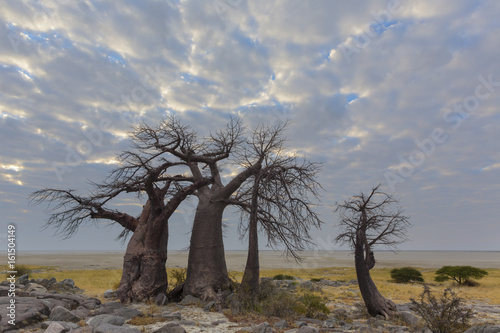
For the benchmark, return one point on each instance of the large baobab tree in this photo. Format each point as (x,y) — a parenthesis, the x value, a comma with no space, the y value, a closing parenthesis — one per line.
(279,200)
(158,167)
(207,270)
(367,220)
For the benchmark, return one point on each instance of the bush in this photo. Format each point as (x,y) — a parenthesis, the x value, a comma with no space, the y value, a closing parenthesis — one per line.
(21,270)
(283,277)
(446,315)
(179,276)
(460,274)
(314,306)
(316,280)
(406,274)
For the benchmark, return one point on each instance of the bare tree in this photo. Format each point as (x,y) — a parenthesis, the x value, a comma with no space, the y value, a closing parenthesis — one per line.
(366,221)
(147,169)
(278,198)
(207,270)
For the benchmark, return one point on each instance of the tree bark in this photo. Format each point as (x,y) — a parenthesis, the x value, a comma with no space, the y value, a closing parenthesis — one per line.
(375,303)
(250,280)
(144,274)
(207,271)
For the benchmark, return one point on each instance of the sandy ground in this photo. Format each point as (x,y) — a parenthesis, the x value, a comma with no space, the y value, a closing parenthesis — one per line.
(271,260)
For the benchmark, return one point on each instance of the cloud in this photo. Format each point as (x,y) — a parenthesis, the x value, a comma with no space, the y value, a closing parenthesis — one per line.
(364,84)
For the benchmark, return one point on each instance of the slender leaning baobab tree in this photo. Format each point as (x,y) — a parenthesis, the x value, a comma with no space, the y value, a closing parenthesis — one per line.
(366,220)
(278,200)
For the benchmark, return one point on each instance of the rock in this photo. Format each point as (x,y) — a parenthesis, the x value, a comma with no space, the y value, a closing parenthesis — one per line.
(128,313)
(311,286)
(110,293)
(91,303)
(29,310)
(300,323)
(307,329)
(67,326)
(311,321)
(106,319)
(62,314)
(171,328)
(23,279)
(82,312)
(330,323)
(262,328)
(172,316)
(69,282)
(108,308)
(161,299)
(56,328)
(484,329)
(35,287)
(191,300)
(409,318)
(282,324)
(108,328)
(209,306)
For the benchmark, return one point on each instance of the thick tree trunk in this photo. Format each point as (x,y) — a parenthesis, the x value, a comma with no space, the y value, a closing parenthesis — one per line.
(207,271)
(144,274)
(375,303)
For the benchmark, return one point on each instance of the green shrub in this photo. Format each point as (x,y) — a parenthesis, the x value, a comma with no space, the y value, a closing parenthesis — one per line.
(314,306)
(460,274)
(282,304)
(406,274)
(21,270)
(445,315)
(316,280)
(283,277)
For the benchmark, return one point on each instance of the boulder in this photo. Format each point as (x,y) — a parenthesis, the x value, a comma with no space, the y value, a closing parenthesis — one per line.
(23,279)
(67,326)
(108,328)
(106,319)
(62,314)
(128,313)
(161,299)
(409,318)
(56,328)
(191,300)
(110,293)
(282,324)
(34,287)
(171,328)
(307,329)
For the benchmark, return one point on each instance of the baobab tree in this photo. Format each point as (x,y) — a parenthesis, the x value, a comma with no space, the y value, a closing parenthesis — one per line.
(366,221)
(158,167)
(278,199)
(207,270)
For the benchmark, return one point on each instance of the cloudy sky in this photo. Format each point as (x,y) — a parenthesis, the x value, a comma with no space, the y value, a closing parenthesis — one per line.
(403,93)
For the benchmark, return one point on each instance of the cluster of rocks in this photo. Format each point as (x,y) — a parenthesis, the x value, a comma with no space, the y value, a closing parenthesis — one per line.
(44,305)
(309,285)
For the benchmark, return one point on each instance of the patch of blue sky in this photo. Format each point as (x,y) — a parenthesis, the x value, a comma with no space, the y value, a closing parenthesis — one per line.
(351,97)
(382,26)
(50,38)
(190,78)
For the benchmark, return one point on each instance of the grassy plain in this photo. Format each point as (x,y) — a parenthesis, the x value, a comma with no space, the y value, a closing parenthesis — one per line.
(95,282)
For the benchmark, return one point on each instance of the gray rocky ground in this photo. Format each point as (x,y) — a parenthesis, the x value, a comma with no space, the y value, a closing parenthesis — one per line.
(55,307)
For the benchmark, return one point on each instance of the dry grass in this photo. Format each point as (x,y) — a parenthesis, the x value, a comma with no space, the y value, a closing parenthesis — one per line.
(96,282)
